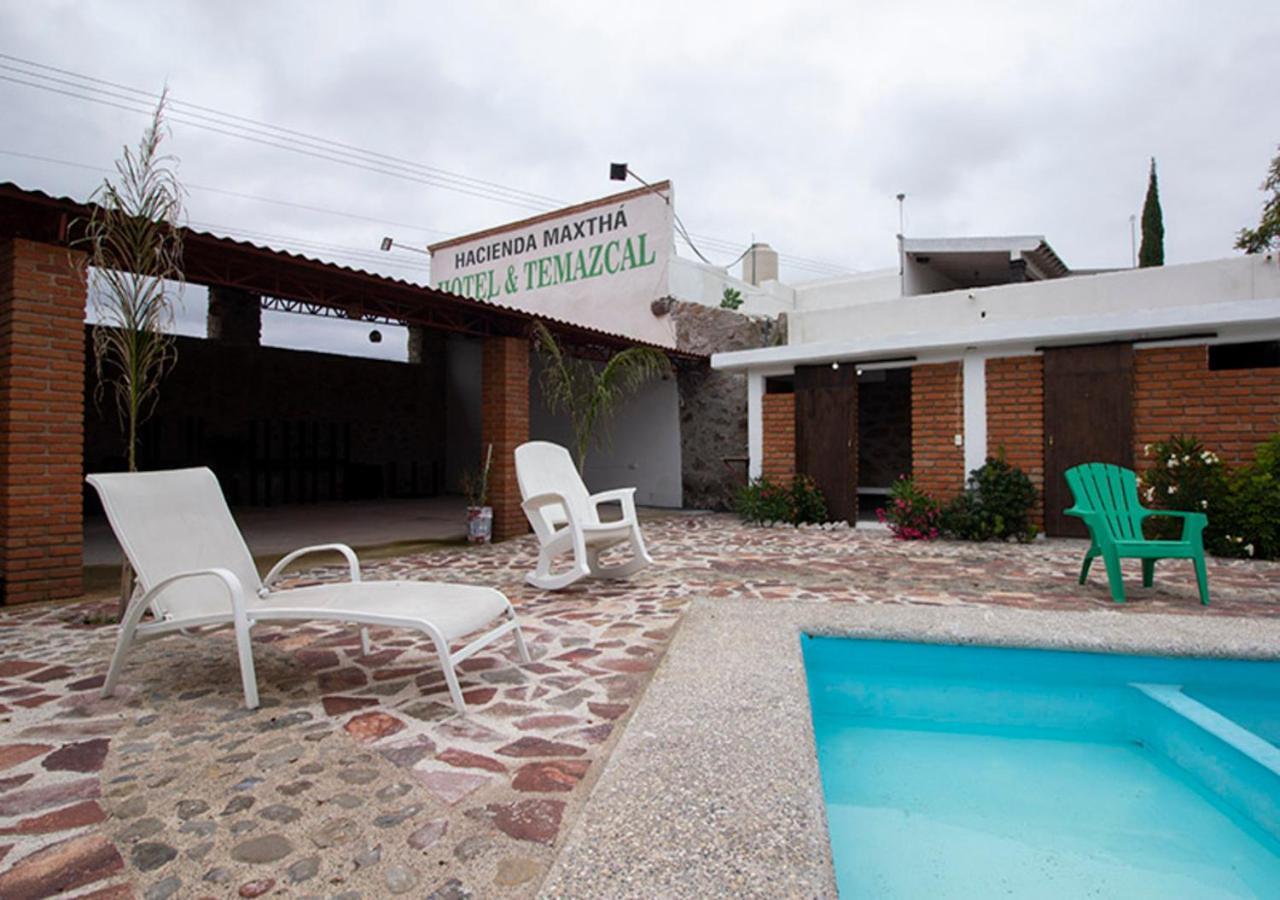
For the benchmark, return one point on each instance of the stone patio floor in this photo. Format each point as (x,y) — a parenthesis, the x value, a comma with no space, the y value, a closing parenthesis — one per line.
(356,779)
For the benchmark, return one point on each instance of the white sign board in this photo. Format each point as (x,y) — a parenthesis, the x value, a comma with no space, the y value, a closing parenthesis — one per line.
(600,264)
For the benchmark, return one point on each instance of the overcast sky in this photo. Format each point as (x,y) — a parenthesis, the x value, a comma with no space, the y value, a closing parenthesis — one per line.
(795,123)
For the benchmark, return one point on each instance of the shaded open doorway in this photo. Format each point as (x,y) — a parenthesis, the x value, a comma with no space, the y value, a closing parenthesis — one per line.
(884,435)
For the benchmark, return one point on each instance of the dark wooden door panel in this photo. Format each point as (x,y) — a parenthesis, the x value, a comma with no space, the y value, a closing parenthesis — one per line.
(827,435)
(1088,417)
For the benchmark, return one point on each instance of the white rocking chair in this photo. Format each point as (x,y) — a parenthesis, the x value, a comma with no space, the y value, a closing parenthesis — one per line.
(195,572)
(555,496)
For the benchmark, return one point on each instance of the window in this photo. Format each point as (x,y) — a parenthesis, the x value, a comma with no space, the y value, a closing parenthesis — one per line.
(1251,355)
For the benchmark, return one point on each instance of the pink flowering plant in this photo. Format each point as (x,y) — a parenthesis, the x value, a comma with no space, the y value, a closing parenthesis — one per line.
(911,514)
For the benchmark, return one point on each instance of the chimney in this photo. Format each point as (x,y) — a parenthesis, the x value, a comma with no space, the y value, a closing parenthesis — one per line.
(760,264)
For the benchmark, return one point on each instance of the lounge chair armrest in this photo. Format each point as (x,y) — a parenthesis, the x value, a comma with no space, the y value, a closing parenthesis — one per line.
(625,496)
(239,603)
(346,551)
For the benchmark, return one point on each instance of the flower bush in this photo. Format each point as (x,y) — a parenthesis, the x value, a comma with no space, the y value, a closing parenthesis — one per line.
(1243,505)
(911,514)
(1183,475)
(996,504)
(799,503)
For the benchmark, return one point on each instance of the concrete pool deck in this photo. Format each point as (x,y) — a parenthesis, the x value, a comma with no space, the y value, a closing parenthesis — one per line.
(583,774)
(714,789)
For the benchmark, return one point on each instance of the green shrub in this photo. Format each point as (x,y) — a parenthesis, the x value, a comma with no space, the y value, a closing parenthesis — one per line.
(1243,505)
(1184,475)
(765,501)
(808,504)
(996,504)
(1250,520)
(911,514)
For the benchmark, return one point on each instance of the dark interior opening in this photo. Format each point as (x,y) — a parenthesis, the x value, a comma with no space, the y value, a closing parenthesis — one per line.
(1250,355)
(884,434)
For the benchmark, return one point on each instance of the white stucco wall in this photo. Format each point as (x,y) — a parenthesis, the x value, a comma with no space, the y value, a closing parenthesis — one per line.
(1197,285)
(697,282)
(849,290)
(642,449)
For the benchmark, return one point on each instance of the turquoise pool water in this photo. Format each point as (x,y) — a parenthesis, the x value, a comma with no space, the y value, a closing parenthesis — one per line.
(985,772)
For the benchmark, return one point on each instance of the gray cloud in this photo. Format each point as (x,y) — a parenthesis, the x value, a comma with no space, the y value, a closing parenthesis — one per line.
(794,123)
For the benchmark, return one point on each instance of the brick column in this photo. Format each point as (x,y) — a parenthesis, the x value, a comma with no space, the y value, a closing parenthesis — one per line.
(504,422)
(778,412)
(42,311)
(235,317)
(1015,418)
(937,416)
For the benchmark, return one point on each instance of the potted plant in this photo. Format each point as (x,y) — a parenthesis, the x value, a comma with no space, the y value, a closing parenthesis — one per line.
(479,515)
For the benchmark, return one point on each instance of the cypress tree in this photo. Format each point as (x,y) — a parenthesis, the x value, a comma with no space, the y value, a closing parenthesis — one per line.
(1152,251)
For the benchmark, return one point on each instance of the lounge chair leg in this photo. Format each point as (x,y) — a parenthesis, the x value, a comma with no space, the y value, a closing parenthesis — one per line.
(1202,579)
(1148,572)
(365,648)
(247,675)
(128,626)
(1114,577)
(521,647)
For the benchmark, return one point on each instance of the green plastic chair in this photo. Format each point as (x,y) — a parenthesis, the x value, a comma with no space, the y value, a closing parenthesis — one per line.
(1106,498)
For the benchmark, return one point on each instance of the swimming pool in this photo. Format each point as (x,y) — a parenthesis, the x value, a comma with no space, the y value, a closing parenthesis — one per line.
(980,772)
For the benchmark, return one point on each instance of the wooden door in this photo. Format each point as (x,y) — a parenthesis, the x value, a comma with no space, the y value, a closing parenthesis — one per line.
(827,435)
(1088,417)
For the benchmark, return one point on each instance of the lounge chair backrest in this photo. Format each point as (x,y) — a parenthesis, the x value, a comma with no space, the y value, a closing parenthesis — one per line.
(543,467)
(176,521)
(1110,494)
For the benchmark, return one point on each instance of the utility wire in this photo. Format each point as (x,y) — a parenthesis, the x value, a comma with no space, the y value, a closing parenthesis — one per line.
(265,128)
(269,135)
(256,197)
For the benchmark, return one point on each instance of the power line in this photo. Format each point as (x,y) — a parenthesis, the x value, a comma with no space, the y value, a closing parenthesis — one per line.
(267,134)
(334,156)
(441,177)
(257,197)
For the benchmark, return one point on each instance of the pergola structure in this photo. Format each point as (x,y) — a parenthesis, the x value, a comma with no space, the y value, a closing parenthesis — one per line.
(43,297)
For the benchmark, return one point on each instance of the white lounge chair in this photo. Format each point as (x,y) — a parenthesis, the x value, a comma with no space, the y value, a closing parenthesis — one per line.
(566,518)
(195,572)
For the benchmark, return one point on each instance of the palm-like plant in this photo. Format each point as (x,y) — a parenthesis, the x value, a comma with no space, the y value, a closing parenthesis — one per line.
(587,395)
(133,241)
(134,246)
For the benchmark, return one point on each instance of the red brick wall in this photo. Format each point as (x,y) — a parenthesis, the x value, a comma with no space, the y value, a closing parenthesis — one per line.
(1015,417)
(779,415)
(937,416)
(42,310)
(1231,411)
(504,422)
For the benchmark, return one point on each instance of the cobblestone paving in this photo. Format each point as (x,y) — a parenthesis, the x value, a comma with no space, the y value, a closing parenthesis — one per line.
(355,778)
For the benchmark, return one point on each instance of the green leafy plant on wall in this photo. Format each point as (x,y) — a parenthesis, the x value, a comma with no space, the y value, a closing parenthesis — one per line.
(588,394)
(731,299)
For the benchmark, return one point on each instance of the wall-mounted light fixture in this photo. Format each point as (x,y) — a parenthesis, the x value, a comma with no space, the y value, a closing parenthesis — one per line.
(388,243)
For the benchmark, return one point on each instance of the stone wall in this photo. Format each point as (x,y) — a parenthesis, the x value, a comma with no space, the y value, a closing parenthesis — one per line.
(286,426)
(713,405)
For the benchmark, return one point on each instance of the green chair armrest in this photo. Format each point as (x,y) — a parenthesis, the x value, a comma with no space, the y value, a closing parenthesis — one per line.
(1193,523)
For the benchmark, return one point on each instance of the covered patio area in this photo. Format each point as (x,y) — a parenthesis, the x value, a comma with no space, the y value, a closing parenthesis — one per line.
(355,778)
